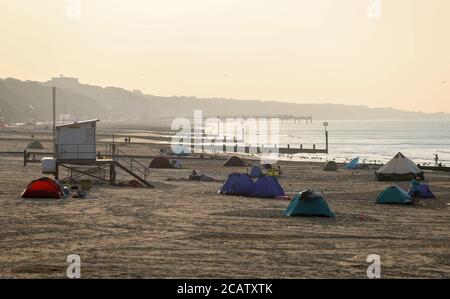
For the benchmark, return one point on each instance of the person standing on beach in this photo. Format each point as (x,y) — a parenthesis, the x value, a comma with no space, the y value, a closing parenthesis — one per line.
(436,159)
(415,187)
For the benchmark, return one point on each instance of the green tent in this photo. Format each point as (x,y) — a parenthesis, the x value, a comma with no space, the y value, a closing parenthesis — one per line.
(35,145)
(394,195)
(308,203)
(330,166)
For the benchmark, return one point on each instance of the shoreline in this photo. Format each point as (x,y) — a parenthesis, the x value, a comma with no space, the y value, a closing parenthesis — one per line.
(155,138)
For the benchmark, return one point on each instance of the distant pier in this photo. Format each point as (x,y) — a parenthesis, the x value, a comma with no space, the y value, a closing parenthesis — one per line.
(284,119)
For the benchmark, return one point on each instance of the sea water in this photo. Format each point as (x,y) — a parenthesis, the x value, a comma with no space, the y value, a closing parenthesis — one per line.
(372,140)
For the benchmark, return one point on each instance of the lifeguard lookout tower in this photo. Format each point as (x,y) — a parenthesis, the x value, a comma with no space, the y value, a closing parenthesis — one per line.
(76,142)
(75,150)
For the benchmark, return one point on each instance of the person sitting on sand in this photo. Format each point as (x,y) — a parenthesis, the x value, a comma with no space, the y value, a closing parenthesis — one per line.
(194,176)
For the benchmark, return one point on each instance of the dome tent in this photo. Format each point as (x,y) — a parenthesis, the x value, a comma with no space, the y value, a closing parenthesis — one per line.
(37,145)
(267,187)
(394,195)
(256,172)
(161,163)
(237,184)
(330,166)
(353,164)
(43,188)
(424,192)
(399,168)
(308,203)
(235,162)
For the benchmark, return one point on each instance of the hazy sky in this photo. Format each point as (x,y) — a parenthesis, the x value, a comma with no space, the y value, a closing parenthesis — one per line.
(291,50)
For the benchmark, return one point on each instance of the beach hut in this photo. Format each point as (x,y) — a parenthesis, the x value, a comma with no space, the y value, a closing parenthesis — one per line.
(309,203)
(235,162)
(76,142)
(394,195)
(237,184)
(330,166)
(43,188)
(36,145)
(161,163)
(267,187)
(353,164)
(399,168)
(256,172)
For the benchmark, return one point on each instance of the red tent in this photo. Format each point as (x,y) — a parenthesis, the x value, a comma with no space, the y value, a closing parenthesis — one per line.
(43,188)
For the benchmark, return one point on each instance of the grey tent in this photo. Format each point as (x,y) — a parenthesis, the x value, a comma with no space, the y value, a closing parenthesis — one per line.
(235,162)
(399,168)
(35,145)
(161,163)
(330,166)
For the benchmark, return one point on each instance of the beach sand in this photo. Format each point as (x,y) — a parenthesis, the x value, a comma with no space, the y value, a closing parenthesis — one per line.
(185,229)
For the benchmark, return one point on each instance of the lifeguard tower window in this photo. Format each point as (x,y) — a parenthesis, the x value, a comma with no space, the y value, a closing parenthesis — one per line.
(76,141)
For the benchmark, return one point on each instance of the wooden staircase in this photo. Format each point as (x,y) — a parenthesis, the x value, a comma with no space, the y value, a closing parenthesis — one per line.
(131,166)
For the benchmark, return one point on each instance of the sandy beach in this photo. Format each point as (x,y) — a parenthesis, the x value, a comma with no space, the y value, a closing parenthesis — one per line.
(184,229)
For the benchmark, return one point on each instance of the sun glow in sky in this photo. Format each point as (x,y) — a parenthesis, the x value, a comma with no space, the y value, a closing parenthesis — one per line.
(301,51)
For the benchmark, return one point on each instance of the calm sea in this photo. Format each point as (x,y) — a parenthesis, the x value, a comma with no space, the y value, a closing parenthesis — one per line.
(374,140)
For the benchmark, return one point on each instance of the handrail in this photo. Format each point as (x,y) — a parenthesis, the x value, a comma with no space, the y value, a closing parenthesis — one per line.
(122,155)
(119,156)
(116,154)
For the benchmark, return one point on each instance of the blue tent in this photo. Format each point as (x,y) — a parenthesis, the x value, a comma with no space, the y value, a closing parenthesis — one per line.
(237,184)
(424,191)
(308,203)
(394,195)
(256,172)
(267,187)
(353,164)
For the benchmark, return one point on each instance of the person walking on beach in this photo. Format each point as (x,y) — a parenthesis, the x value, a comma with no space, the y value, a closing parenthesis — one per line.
(436,159)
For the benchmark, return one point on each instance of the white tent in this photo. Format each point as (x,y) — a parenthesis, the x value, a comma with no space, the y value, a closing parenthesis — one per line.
(399,168)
